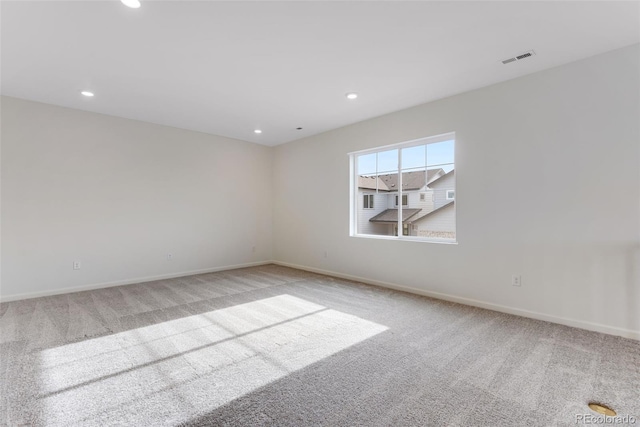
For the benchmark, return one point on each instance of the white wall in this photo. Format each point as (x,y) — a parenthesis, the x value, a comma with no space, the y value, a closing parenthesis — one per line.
(579,255)
(118,195)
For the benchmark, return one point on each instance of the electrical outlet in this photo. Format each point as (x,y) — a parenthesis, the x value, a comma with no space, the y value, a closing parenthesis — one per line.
(77,265)
(516,280)
(169,257)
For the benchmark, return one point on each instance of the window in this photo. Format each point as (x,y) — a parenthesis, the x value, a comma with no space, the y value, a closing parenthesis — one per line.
(405,230)
(405,200)
(368,201)
(424,167)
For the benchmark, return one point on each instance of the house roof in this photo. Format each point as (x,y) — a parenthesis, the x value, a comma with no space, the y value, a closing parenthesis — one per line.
(391,215)
(435,181)
(369,183)
(389,182)
(434,211)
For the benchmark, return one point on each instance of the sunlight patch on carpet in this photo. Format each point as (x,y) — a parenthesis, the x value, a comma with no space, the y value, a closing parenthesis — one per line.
(182,368)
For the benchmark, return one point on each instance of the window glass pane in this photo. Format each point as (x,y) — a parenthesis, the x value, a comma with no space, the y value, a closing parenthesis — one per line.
(414,157)
(405,200)
(368,201)
(377,172)
(441,153)
(367,164)
(388,161)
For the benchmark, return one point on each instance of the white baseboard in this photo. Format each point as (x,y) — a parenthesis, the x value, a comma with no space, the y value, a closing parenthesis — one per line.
(127,281)
(591,326)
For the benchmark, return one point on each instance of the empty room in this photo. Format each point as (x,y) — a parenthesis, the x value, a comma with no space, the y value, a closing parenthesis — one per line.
(319,213)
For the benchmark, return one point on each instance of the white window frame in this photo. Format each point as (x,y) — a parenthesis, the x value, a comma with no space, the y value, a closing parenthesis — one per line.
(353,190)
(452,197)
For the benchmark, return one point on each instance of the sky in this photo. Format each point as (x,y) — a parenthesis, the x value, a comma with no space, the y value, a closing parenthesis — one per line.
(439,154)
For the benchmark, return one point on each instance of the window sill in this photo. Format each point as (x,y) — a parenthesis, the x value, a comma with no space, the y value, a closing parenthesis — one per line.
(408,239)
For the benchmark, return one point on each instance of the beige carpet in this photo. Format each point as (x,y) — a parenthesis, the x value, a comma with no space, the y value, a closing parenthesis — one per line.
(276,346)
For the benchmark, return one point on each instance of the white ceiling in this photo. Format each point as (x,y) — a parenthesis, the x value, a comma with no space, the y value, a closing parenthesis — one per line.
(227,68)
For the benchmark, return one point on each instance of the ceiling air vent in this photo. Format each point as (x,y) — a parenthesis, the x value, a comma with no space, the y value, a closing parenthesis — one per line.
(519,57)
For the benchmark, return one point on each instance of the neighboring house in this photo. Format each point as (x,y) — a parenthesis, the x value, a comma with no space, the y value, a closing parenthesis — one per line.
(444,189)
(372,200)
(441,221)
(378,201)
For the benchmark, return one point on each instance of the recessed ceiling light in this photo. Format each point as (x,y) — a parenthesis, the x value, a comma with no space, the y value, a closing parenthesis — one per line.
(351,95)
(257,131)
(87,93)
(134,4)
